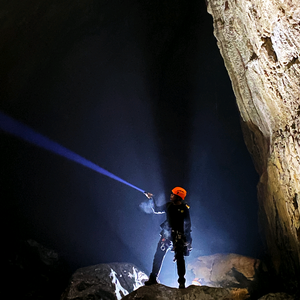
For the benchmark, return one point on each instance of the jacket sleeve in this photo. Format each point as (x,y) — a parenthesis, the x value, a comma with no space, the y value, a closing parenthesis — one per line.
(157,209)
(187,226)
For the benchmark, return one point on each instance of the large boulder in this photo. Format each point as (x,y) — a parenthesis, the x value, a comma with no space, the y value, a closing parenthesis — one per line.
(104,281)
(277,296)
(231,271)
(161,292)
(225,270)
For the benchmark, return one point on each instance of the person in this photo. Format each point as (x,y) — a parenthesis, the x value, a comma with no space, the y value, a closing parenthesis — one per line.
(175,234)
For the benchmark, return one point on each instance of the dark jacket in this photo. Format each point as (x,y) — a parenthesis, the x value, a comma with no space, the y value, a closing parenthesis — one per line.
(178,219)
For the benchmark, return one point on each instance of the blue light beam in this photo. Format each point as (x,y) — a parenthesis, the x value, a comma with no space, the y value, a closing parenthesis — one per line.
(24,132)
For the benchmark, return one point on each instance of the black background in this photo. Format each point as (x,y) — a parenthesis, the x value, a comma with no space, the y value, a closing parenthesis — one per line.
(145,95)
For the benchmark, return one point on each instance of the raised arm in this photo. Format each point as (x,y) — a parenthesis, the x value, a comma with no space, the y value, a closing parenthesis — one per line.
(156,209)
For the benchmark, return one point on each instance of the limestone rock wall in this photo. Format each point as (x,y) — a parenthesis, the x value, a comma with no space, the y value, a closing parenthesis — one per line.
(260,44)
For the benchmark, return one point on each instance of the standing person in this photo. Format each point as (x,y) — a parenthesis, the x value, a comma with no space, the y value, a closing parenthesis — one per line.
(175,234)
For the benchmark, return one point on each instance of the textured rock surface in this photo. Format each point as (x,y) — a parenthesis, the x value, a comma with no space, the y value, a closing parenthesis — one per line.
(161,292)
(260,43)
(277,296)
(104,281)
(228,270)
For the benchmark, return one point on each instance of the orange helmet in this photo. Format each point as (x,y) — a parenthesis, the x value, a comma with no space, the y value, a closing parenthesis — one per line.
(179,191)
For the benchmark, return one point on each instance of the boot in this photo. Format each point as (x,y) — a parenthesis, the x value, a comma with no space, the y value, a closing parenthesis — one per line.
(181,282)
(151,280)
(181,285)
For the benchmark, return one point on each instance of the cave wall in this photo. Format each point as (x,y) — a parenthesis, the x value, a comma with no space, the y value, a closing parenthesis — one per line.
(260,44)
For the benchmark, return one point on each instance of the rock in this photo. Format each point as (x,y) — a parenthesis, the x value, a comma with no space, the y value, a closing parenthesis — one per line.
(231,271)
(161,292)
(226,270)
(104,281)
(260,45)
(277,296)
(47,256)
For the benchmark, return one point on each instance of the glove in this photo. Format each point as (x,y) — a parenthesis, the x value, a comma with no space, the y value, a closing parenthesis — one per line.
(148,195)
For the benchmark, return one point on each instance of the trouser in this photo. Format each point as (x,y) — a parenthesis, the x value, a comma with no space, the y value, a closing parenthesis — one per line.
(162,248)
